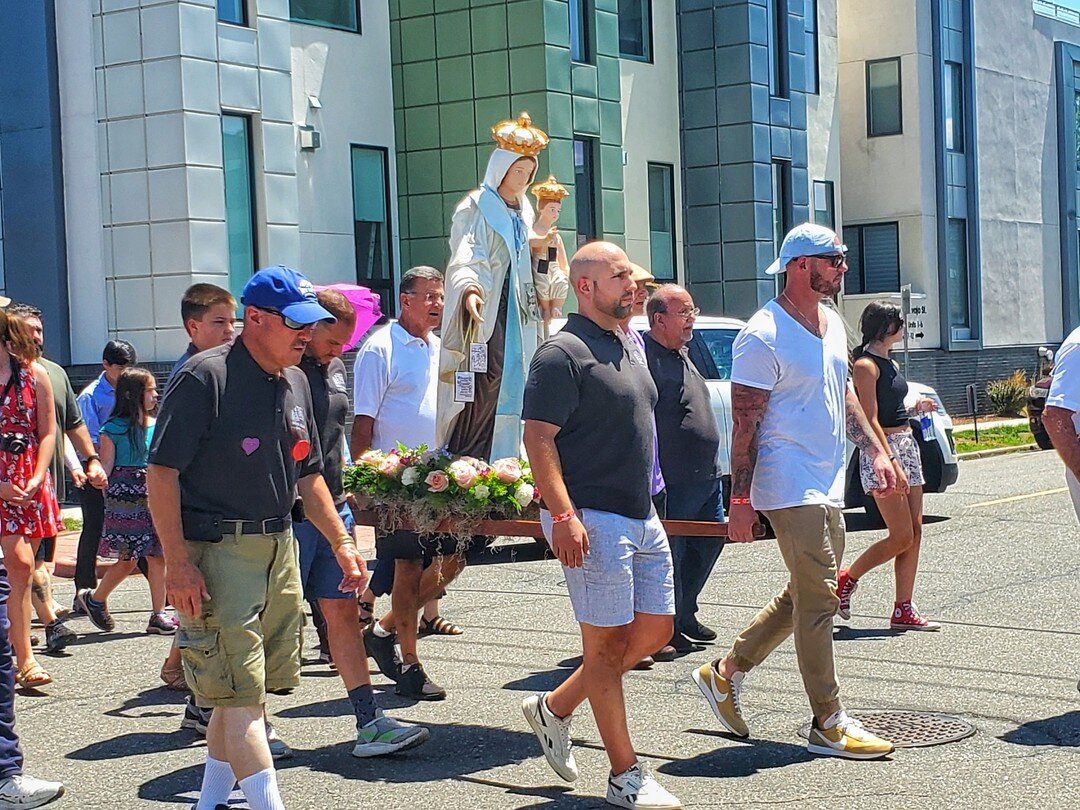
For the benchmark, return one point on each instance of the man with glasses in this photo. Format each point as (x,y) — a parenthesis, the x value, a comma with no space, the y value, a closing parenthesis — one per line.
(235,442)
(688,442)
(790,403)
(395,388)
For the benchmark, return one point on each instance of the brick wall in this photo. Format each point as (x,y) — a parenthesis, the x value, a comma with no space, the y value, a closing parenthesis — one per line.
(950,372)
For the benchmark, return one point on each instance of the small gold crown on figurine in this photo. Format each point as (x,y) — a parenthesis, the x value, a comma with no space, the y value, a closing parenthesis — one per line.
(551,190)
(520,136)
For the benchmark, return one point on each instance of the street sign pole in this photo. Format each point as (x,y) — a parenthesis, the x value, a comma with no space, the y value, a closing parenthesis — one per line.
(905,306)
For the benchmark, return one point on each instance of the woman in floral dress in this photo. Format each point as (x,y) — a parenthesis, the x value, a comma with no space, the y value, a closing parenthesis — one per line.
(28,507)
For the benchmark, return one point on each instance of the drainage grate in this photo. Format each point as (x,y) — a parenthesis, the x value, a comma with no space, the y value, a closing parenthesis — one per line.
(910,729)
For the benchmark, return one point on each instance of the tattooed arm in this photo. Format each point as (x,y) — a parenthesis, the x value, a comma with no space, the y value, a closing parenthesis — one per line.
(862,436)
(1059,424)
(747,411)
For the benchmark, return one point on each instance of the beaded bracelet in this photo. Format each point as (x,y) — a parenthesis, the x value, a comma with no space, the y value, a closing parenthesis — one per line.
(564,517)
(740,502)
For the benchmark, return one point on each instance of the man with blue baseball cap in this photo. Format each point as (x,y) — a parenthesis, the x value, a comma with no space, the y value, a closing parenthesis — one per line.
(791,404)
(235,441)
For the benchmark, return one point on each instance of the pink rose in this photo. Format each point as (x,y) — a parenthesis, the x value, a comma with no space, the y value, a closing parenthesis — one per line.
(371,458)
(390,466)
(507,470)
(437,481)
(463,473)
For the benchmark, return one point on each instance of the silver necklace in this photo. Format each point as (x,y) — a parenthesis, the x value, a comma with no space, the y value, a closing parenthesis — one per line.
(814,328)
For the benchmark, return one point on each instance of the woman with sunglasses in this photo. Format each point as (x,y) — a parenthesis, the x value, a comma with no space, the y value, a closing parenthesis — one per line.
(881,389)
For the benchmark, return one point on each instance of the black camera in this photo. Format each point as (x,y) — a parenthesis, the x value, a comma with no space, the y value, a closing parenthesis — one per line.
(16,443)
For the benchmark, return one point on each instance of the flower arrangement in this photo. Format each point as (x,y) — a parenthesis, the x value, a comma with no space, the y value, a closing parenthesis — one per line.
(430,488)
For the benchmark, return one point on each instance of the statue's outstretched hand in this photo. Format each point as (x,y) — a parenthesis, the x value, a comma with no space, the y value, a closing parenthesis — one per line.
(474,305)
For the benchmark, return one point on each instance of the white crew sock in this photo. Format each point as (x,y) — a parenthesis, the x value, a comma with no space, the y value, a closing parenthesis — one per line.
(217,783)
(261,791)
(379,630)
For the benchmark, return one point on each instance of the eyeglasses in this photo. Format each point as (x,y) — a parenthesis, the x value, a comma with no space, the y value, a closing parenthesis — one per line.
(296,326)
(687,314)
(430,298)
(834,259)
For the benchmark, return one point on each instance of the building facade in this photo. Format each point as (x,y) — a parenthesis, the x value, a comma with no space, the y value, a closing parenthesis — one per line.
(146,145)
(958,152)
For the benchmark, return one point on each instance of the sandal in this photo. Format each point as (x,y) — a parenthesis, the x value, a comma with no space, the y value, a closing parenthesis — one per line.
(32,675)
(173,678)
(439,627)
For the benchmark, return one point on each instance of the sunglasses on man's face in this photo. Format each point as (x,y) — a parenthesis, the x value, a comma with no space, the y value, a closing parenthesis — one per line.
(296,326)
(834,259)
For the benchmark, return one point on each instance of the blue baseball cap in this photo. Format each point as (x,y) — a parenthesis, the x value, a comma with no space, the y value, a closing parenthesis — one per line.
(287,291)
(807,239)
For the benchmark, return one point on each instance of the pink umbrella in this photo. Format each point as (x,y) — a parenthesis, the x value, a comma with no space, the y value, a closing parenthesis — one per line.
(366,304)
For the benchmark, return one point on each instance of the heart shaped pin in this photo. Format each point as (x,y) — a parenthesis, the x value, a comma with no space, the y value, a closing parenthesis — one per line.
(250,445)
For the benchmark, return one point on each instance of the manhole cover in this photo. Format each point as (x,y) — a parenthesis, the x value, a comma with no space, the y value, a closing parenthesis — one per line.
(910,729)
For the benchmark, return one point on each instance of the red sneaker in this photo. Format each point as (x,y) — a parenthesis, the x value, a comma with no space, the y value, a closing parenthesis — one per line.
(906,616)
(845,587)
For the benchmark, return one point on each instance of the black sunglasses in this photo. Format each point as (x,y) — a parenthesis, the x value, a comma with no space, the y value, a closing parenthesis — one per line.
(834,259)
(296,326)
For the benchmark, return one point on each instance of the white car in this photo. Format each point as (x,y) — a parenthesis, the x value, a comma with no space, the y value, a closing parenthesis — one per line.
(710,351)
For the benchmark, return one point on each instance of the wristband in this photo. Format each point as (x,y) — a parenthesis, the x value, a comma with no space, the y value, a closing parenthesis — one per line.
(564,517)
(740,502)
(93,457)
(893,458)
(345,539)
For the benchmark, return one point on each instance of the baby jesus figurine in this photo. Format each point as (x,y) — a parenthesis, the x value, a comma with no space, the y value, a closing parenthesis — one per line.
(551,268)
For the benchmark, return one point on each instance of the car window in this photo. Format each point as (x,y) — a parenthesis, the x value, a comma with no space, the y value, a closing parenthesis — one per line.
(717,343)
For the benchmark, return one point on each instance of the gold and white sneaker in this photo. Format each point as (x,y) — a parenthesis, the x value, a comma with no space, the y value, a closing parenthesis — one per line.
(722,695)
(843,736)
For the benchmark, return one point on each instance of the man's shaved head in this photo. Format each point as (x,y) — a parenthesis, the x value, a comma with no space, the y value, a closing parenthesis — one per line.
(594,256)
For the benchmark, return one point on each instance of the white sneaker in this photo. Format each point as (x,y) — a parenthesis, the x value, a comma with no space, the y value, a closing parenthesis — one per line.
(637,788)
(279,749)
(385,735)
(553,733)
(23,790)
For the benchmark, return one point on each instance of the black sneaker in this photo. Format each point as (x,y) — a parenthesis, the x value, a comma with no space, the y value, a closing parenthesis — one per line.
(414,683)
(76,606)
(196,718)
(58,635)
(98,612)
(696,631)
(382,650)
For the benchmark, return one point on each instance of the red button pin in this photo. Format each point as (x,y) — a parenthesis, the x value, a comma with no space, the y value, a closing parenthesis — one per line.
(301,450)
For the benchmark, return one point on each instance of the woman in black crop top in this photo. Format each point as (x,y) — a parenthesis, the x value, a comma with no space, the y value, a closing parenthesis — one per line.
(882,389)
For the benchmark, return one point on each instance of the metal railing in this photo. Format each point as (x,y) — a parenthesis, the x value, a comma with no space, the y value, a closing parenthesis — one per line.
(1056,11)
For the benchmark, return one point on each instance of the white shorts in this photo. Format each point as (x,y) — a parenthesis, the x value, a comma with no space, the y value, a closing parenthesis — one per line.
(903,446)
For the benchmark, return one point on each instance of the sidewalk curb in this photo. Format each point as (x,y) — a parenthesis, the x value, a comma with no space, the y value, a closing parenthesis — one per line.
(998,451)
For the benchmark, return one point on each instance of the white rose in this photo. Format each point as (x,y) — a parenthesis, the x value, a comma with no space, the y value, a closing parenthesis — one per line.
(481,491)
(524,494)
(410,476)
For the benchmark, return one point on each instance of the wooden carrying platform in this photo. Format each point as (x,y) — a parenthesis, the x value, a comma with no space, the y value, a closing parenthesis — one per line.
(531,528)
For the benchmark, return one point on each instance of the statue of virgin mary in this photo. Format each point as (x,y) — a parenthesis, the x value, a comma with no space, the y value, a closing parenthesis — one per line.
(491,318)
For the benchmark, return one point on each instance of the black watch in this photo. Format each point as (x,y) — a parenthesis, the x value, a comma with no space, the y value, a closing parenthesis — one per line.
(92,457)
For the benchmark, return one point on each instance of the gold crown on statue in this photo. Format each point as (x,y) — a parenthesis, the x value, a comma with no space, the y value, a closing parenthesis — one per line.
(520,136)
(551,190)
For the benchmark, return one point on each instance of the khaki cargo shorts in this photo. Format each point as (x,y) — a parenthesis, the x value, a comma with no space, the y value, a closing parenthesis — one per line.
(247,641)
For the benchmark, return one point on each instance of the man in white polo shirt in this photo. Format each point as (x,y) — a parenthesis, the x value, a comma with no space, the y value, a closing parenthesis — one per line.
(396,380)
(1062,415)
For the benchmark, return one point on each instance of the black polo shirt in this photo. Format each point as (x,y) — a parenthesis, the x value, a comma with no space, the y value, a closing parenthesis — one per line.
(330,399)
(686,434)
(585,380)
(240,437)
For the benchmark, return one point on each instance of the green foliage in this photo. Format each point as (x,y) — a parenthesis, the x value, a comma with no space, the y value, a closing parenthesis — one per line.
(1009,395)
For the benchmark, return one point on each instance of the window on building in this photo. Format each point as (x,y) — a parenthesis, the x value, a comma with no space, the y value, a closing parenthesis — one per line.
(635,29)
(781,202)
(239,199)
(232,11)
(662,221)
(873,258)
(883,116)
(813,79)
(776,11)
(824,204)
(580,33)
(343,14)
(585,189)
(371,223)
(953,104)
(956,259)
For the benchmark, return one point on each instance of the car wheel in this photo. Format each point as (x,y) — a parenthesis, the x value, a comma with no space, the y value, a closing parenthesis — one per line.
(1042,438)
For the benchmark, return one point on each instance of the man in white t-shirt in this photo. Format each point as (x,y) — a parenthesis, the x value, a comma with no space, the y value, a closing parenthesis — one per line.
(395,383)
(1062,415)
(791,403)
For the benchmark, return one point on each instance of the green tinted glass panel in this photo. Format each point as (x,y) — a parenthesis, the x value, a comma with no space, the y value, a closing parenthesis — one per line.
(661,221)
(342,14)
(371,225)
(239,200)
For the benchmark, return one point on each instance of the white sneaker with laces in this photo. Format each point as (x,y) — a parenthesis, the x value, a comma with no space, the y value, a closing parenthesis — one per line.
(23,790)
(553,733)
(637,788)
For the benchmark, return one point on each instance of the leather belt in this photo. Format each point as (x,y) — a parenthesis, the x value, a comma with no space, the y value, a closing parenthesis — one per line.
(268,526)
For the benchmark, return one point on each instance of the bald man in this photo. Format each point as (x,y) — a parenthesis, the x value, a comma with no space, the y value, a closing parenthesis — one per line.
(588,410)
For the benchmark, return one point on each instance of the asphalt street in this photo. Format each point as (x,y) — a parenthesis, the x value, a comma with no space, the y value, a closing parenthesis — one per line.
(1000,571)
